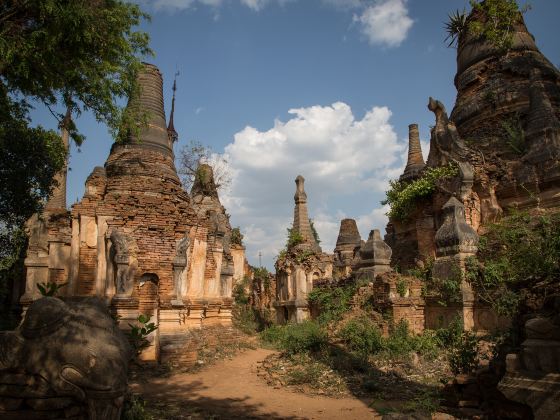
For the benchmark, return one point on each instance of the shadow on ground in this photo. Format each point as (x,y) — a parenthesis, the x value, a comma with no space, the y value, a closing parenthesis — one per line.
(165,402)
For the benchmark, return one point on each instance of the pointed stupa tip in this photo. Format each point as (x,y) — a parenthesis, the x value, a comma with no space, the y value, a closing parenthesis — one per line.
(148,104)
(415,162)
(300,194)
(171,132)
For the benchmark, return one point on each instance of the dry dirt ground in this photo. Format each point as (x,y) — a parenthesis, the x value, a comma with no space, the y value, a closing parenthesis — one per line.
(231,389)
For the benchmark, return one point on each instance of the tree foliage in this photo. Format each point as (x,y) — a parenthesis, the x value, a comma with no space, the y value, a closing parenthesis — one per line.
(29,159)
(81,54)
(195,153)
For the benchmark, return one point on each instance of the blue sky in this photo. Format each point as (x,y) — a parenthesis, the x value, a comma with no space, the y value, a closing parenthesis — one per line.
(321,88)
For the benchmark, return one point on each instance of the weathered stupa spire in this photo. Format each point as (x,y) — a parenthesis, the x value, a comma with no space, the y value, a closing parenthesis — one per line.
(301,217)
(144,160)
(173,136)
(57,199)
(148,103)
(415,163)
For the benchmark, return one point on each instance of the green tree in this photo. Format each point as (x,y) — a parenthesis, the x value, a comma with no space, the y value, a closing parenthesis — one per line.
(78,54)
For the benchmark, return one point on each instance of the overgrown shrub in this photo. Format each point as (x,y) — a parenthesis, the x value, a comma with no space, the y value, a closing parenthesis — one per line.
(519,257)
(239,293)
(400,341)
(243,318)
(273,335)
(307,336)
(451,335)
(362,336)
(296,338)
(402,287)
(332,302)
(463,356)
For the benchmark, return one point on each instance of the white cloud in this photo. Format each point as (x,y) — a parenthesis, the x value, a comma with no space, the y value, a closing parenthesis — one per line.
(376,219)
(345,160)
(386,22)
(181,4)
(383,22)
(254,4)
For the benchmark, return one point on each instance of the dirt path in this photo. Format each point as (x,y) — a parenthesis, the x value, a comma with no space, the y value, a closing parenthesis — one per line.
(231,389)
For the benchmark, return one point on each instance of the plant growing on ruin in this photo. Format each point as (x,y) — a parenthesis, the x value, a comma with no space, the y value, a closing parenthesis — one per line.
(518,259)
(402,196)
(303,255)
(455,27)
(239,293)
(333,301)
(314,232)
(294,238)
(236,236)
(192,155)
(495,26)
(401,286)
(49,288)
(514,134)
(134,408)
(139,333)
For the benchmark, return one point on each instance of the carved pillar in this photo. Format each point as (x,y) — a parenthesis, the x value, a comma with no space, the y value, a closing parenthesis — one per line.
(455,242)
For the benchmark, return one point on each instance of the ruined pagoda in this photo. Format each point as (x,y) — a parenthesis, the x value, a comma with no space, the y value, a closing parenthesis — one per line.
(135,240)
(300,265)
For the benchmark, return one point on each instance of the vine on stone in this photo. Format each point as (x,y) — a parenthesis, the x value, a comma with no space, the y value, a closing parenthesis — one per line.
(402,196)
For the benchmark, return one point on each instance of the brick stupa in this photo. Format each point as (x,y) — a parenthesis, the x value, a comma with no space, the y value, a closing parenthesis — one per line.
(134,239)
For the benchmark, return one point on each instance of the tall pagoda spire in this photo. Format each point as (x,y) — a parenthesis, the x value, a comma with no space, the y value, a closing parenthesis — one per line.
(173,136)
(415,163)
(301,218)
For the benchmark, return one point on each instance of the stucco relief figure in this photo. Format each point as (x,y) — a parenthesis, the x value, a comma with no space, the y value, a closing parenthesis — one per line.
(69,354)
(179,265)
(36,230)
(125,262)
